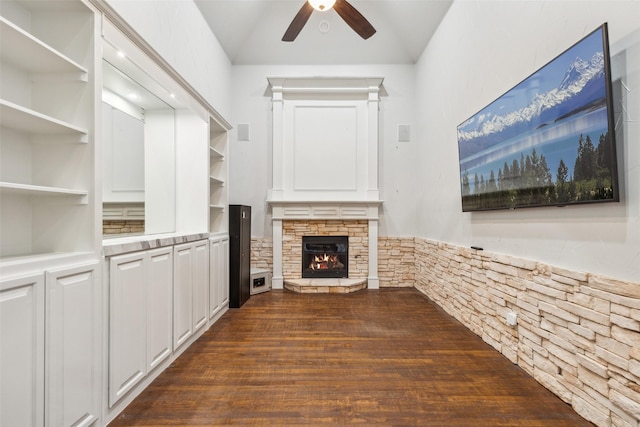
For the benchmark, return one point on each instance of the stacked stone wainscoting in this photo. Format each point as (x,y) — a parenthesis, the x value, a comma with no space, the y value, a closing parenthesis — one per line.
(262,252)
(292,232)
(396,259)
(129,226)
(396,262)
(578,334)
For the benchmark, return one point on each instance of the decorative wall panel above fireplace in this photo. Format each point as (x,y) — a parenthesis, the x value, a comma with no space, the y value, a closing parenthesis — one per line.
(325,138)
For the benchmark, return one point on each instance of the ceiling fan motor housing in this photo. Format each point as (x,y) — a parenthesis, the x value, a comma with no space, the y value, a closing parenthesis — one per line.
(322,4)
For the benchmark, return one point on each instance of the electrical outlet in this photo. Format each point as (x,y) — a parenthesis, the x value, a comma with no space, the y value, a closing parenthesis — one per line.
(512,318)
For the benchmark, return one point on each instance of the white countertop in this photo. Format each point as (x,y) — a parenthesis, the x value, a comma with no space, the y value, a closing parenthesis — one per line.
(140,242)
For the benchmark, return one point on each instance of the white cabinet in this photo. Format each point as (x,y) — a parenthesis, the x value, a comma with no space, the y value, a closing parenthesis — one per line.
(218,172)
(159,305)
(73,346)
(200,284)
(182,294)
(219,276)
(127,323)
(50,347)
(140,317)
(22,351)
(50,334)
(190,289)
(47,120)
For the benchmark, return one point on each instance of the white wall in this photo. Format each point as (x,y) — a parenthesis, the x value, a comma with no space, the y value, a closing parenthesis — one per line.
(480,51)
(178,32)
(250,162)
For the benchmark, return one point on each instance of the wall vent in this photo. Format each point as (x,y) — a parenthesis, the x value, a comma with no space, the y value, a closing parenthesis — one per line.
(404,133)
(243,132)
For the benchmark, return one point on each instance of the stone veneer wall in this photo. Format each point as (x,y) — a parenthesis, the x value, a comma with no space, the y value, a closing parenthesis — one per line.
(396,259)
(262,253)
(578,334)
(113,226)
(293,230)
(396,262)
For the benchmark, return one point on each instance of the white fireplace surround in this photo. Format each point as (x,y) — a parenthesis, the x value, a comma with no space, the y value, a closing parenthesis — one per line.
(309,210)
(325,157)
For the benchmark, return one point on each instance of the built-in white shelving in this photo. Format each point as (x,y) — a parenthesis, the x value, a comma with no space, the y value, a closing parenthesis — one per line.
(50,275)
(216,181)
(218,172)
(16,117)
(27,52)
(52,258)
(216,153)
(47,121)
(26,189)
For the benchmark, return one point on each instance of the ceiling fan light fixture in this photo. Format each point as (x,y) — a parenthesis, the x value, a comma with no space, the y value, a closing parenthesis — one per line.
(348,13)
(322,5)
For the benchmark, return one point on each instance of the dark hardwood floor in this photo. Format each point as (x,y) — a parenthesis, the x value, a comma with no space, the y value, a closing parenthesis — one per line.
(387,358)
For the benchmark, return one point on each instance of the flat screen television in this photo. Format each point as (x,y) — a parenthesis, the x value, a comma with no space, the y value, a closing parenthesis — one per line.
(549,141)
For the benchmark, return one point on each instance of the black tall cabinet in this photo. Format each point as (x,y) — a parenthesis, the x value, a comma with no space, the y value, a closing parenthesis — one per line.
(239,254)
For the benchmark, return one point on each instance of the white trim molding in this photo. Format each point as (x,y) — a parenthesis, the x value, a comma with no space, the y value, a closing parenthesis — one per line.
(325,124)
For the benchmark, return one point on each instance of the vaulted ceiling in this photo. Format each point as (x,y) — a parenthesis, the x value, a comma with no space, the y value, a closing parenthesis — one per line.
(250,31)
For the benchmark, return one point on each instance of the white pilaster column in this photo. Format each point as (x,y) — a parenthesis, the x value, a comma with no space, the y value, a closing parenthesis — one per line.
(373,105)
(277,110)
(277,280)
(373,282)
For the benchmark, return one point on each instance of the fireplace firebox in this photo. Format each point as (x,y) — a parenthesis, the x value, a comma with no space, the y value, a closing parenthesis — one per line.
(325,256)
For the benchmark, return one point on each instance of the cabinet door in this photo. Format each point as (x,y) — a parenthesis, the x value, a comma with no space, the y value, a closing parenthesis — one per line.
(182,293)
(160,305)
(215,296)
(200,267)
(224,268)
(73,346)
(219,276)
(127,323)
(22,351)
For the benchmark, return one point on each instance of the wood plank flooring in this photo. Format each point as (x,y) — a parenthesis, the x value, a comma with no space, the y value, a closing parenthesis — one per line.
(378,358)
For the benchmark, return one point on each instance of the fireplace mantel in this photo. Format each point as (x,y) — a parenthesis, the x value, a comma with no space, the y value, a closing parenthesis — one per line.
(325,157)
(344,209)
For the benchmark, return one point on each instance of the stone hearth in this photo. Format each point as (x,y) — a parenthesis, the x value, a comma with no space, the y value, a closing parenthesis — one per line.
(325,286)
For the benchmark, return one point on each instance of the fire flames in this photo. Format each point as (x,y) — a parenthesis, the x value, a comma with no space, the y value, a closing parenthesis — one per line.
(326,262)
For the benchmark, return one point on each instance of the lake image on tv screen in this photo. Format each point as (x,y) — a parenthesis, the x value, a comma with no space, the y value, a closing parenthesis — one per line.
(546,141)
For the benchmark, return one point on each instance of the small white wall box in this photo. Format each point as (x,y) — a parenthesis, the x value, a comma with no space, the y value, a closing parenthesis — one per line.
(512,318)
(260,280)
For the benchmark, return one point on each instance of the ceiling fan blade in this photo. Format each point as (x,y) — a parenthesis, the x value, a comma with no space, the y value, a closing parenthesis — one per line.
(298,22)
(354,19)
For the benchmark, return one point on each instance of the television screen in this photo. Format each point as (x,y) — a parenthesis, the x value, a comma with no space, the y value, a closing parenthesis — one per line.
(549,140)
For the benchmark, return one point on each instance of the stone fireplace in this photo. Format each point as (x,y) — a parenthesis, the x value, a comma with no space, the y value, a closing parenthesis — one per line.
(294,231)
(325,172)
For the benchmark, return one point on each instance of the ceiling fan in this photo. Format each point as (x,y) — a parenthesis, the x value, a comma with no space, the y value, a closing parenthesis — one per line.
(351,16)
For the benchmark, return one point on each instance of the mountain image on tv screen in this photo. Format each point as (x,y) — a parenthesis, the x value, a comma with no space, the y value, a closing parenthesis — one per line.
(547,141)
